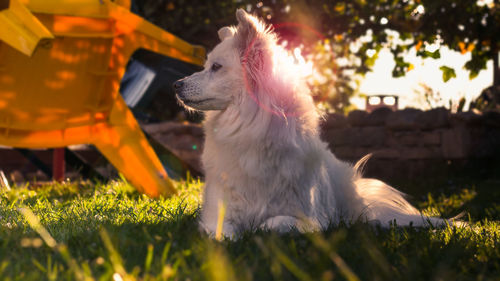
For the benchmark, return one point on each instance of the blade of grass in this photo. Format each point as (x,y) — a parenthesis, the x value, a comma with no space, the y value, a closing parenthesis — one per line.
(115,258)
(34,223)
(324,246)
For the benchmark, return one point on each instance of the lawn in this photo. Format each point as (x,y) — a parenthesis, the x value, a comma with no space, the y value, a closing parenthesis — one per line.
(85,231)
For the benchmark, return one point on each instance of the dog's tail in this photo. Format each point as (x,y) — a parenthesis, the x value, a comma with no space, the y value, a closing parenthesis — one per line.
(384,204)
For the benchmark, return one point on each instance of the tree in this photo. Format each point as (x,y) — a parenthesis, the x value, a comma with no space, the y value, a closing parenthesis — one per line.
(464,26)
(198,21)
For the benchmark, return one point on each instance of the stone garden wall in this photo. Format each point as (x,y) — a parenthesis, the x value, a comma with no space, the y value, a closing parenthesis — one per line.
(410,143)
(406,144)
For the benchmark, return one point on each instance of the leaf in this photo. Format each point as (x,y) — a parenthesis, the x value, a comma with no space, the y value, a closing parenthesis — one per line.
(340,8)
(448,73)
(461,45)
(486,42)
(463,49)
(401,67)
(419,45)
(473,74)
(426,54)
(475,65)
(435,55)
(170,6)
(410,67)
(470,47)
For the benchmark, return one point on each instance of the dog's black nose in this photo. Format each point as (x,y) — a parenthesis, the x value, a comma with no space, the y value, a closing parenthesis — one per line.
(178,85)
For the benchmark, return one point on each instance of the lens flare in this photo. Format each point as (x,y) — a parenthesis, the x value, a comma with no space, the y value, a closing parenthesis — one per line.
(289,65)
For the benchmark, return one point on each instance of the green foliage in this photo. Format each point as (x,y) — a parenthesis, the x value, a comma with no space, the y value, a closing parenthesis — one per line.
(198,22)
(448,73)
(428,98)
(464,26)
(110,232)
(331,84)
(489,100)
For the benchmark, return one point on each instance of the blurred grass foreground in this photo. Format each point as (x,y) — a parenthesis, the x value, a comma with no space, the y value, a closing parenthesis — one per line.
(82,231)
(108,231)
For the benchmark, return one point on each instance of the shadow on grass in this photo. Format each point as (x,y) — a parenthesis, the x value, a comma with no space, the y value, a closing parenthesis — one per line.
(473,190)
(177,249)
(159,240)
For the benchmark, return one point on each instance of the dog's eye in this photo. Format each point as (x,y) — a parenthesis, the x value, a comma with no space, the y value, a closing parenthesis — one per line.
(215,67)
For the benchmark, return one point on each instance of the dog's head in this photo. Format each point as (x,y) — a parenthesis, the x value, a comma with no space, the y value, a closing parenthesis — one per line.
(233,68)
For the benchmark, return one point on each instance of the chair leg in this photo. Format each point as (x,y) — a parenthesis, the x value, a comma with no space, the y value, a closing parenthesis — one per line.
(58,164)
(128,150)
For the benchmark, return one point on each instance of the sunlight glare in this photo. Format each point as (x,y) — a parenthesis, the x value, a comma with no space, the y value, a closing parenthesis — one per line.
(370,52)
(117,277)
(489,3)
(389,100)
(374,100)
(432,47)
(419,10)
(305,67)
(292,64)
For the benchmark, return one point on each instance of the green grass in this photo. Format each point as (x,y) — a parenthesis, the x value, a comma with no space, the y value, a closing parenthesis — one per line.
(110,232)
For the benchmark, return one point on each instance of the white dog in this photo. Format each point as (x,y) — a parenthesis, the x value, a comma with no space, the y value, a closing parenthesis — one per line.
(263,158)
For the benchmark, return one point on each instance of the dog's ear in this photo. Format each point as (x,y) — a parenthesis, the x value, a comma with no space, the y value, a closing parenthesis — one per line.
(248,25)
(226,32)
(248,29)
(252,39)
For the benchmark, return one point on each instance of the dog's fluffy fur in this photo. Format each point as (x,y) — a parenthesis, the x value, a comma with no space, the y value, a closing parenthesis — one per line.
(263,158)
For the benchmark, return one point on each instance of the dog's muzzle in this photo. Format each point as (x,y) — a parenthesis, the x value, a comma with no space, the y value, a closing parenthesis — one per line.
(178,85)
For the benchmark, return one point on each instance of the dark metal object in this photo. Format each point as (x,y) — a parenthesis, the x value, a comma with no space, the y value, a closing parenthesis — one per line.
(4,4)
(71,158)
(146,86)
(176,168)
(80,164)
(147,89)
(35,161)
(58,164)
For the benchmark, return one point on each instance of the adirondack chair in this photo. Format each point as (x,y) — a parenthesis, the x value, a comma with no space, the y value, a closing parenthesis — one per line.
(61,62)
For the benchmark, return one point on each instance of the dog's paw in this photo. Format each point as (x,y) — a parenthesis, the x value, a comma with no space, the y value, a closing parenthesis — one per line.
(214,233)
(280,223)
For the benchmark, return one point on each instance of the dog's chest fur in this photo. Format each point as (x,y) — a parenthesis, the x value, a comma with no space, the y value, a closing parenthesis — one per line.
(258,174)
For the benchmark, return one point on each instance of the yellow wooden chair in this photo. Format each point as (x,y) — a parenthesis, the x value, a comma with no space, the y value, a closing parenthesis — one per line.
(61,62)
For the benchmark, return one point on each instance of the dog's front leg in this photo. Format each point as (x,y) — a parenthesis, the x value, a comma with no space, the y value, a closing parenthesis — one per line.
(211,229)
(214,212)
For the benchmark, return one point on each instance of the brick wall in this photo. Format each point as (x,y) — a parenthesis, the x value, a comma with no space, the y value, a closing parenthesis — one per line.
(411,143)
(406,144)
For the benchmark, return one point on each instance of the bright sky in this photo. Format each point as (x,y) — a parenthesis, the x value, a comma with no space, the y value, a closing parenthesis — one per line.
(380,80)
